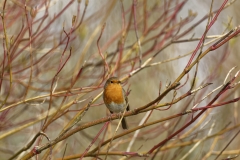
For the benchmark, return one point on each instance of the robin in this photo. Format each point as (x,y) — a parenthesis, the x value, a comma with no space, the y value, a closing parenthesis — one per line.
(115,98)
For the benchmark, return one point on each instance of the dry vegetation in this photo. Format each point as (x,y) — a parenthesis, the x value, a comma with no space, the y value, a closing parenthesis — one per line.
(179,64)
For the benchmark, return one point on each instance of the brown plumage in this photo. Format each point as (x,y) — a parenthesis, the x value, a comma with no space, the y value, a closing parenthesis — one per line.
(115,97)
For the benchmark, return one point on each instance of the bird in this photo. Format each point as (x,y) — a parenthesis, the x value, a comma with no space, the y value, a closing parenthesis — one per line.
(115,99)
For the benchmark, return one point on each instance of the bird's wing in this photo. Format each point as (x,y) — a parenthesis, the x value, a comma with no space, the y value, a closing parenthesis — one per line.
(126,100)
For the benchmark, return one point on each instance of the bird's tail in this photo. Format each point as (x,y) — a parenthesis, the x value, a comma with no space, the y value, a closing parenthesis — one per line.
(124,124)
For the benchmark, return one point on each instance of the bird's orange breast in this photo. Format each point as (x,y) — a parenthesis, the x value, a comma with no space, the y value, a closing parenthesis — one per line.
(113,93)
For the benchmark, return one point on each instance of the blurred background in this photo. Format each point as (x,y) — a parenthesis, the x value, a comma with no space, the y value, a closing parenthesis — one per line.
(56,56)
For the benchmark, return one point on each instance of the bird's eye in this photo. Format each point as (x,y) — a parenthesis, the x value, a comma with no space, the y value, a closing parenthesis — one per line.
(111,81)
